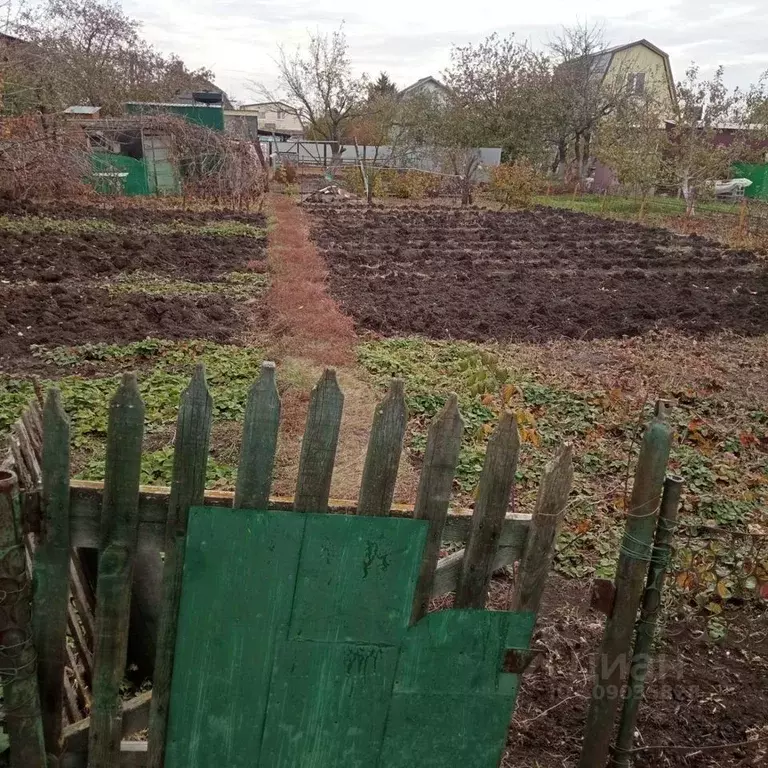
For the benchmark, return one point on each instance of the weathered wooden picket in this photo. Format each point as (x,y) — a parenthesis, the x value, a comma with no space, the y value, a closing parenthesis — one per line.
(46,518)
(121,519)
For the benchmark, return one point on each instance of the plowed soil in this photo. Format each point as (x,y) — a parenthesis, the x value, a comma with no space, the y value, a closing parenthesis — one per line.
(532,276)
(53,286)
(702,700)
(75,314)
(50,257)
(136,211)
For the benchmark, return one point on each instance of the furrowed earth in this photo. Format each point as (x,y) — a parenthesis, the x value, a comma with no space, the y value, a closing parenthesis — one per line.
(74,274)
(532,276)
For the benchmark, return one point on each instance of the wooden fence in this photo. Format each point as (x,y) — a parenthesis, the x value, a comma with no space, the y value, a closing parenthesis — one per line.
(56,516)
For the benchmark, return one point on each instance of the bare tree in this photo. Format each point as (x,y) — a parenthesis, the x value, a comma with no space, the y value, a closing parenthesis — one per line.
(712,129)
(632,142)
(447,132)
(503,84)
(319,86)
(89,52)
(581,95)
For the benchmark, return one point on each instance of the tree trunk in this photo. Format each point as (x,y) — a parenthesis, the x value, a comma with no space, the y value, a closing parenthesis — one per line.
(689,194)
(577,153)
(558,166)
(585,150)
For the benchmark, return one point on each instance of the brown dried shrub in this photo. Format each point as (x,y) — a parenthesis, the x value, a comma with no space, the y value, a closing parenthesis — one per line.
(42,156)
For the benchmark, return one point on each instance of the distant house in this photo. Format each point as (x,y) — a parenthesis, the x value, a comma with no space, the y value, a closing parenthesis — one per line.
(276,116)
(641,67)
(429,86)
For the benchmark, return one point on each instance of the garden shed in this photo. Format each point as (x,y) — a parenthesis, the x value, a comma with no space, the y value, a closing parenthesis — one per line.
(758,175)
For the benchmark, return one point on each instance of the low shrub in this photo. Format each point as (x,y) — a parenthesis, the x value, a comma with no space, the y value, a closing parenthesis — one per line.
(286,174)
(412,185)
(514,185)
(352,180)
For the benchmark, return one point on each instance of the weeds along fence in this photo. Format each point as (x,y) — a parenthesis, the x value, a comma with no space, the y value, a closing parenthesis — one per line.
(739,223)
(68,654)
(713,568)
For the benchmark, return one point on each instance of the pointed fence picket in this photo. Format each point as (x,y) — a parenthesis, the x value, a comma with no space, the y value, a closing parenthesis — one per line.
(119,535)
(193,430)
(118,515)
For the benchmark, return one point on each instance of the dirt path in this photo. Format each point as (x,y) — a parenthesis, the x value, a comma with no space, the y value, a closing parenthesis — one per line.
(308,333)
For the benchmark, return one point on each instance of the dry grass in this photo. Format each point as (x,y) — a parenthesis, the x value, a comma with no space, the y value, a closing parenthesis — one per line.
(306,320)
(726,365)
(309,332)
(297,377)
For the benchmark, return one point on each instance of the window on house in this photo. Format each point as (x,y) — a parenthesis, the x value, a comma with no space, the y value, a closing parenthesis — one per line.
(636,82)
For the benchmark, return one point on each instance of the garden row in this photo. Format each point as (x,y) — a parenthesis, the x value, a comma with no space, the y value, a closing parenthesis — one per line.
(532,276)
(77,274)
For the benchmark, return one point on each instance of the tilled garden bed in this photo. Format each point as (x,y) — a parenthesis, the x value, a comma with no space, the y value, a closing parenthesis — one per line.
(532,276)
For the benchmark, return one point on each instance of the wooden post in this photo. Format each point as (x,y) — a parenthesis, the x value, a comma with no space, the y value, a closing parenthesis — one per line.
(494,491)
(649,613)
(318,448)
(51,572)
(190,461)
(257,452)
(548,514)
(603,201)
(434,495)
(641,213)
(575,191)
(614,657)
(18,667)
(742,221)
(119,533)
(382,460)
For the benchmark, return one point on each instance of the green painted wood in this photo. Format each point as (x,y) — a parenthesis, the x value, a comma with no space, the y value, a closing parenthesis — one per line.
(318,448)
(434,494)
(239,580)
(649,614)
(491,506)
(51,572)
(328,705)
(382,460)
(119,531)
(451,704)
(631,570)
(305,672)
(512,542)
(551,503)
(446,730)
(190,460)
(461,650)
(18,671)
(355,582)
(257,453)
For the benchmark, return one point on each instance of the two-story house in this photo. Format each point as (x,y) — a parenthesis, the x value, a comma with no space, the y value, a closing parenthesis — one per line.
(642,68)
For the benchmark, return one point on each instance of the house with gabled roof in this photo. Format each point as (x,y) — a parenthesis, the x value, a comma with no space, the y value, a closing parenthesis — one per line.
(643,67)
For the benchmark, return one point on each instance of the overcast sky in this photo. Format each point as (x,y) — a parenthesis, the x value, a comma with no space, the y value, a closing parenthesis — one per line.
(237,39)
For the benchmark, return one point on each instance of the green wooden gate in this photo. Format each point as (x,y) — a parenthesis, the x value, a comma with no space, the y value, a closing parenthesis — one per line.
(294,649)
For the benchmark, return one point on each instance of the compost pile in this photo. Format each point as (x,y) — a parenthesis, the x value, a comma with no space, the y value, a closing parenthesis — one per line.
(532,276)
